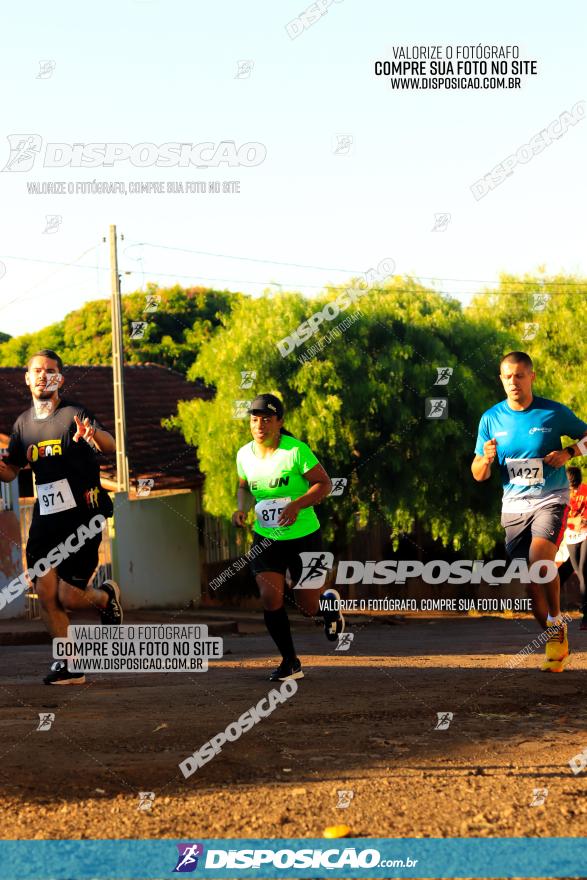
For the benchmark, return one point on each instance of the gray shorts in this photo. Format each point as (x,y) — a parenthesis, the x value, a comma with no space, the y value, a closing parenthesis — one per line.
(546,522)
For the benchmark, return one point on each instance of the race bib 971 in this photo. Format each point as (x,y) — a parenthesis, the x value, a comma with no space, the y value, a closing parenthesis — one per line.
(269,511)
(55,497)
(525,471)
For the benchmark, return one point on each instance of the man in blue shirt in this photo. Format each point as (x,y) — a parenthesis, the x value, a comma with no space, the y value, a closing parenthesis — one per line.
(523,433)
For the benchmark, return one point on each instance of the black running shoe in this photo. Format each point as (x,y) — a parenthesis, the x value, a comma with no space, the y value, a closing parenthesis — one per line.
(333,620)
(113,614)
(287,669)
(60,675)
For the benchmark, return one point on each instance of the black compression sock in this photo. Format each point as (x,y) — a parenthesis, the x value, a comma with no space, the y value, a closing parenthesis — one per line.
(277,623)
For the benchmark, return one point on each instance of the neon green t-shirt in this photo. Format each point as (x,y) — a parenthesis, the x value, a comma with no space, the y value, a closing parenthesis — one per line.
(273,478)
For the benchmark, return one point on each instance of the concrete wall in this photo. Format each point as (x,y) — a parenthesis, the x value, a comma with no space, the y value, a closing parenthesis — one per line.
(10,549)
(155,551)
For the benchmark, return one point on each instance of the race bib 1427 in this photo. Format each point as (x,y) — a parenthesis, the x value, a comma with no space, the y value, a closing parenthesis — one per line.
(525,471)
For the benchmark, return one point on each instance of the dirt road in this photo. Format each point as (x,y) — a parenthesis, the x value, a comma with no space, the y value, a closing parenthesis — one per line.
(362,721)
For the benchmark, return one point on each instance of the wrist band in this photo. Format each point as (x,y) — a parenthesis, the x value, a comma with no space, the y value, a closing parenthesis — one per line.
(582,446)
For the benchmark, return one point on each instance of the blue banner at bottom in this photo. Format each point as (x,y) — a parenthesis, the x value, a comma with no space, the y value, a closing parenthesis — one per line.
(307,858)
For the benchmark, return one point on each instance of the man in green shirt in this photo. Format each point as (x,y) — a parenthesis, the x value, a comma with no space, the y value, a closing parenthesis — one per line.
(286,480)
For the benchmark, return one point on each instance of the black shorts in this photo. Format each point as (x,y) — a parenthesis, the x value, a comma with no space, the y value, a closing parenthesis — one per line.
(281,556)
(546,522)
(80,564)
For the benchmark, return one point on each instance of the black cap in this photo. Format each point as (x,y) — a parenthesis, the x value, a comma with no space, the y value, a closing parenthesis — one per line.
(267,405)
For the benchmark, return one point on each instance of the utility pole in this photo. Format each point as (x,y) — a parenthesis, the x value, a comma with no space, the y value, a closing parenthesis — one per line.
(122,478)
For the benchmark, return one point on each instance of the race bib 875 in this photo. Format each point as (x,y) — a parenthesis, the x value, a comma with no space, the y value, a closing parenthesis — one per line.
(269,511)
(525,471)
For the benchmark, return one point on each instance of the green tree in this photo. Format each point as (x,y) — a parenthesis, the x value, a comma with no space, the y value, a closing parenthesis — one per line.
(360,405)
(173,334)
(545,317)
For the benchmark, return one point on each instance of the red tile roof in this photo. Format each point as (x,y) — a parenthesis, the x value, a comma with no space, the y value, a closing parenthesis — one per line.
(151,394)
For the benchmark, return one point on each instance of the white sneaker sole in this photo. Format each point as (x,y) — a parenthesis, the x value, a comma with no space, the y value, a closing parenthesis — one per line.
(80,680)
(299,674)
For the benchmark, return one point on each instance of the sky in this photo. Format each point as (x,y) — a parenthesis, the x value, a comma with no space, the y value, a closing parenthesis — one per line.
(313,211)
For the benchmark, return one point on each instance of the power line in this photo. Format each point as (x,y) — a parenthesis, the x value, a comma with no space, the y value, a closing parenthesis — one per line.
(434,278)
(47,277)
(247,259)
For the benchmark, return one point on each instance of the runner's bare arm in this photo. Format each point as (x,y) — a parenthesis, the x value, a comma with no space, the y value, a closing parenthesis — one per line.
(244,502)
(8,472)
(481,465)
(320,487)
(559,457)
(103,441)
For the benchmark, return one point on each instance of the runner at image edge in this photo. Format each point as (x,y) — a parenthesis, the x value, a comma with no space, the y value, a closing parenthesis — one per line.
(523,433)
(576,534)
(59,439)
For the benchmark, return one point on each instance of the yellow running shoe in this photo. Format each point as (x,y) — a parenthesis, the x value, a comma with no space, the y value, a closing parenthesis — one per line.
(557,649)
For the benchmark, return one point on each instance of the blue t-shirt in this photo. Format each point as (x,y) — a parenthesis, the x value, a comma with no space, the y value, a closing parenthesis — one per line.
(524,437)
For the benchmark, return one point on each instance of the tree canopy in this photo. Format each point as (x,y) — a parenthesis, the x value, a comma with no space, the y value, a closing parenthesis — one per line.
(177,322)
